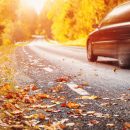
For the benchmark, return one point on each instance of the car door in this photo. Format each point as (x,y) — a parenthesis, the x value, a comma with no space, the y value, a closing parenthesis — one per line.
(107,43)
(113,29)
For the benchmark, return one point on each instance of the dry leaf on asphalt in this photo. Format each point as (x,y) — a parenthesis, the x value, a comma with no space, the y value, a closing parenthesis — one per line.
(110,125)
(57,88)
(71,105)
(93,122)
(93,97)
(91,112)
(127,125)
(42,96)
(63,79)
(70,124)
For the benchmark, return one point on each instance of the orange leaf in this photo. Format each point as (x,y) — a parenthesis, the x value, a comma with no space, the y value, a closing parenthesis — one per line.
(93,122)
(57,88)
(34,88)
(41,116)
(73,105)
(63,79)
(42,96)
(5,89)
(29,99)
(127,125)
(9,106)
(9,96)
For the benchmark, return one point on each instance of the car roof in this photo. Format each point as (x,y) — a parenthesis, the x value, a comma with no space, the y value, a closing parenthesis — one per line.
(125,3)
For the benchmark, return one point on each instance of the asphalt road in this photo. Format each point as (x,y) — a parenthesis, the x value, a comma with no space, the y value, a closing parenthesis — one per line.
(43,62)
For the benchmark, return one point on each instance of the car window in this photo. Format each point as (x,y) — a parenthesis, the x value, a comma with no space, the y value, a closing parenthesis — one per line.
(118,15)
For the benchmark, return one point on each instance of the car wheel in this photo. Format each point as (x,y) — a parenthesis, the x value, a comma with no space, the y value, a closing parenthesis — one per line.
(91,57)
(123,59)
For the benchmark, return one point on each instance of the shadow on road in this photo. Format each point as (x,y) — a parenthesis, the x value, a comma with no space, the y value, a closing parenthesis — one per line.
(114,63)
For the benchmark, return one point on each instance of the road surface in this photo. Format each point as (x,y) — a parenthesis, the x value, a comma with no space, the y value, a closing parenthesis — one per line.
(41,63)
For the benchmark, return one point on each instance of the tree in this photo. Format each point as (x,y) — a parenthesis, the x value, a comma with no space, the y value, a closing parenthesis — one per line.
(25,25)
(44,23)
(8,10)
(73,19)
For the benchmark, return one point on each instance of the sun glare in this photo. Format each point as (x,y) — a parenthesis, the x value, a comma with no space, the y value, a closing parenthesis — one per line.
(36,4)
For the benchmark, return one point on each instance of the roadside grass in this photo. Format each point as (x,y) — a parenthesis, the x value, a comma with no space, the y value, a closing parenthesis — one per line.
(78,42)
(6,69)
(5,50)
(19,44)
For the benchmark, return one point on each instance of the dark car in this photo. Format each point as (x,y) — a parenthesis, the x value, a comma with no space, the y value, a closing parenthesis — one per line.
(112,37)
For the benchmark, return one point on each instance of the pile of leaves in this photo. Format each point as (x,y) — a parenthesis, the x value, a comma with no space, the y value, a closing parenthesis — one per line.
(31,108)
(24,108)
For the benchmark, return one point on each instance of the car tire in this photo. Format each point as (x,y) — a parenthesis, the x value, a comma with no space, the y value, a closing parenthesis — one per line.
(123,59)
(91,57)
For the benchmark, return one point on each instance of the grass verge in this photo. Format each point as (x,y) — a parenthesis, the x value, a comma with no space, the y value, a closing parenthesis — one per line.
(78,42)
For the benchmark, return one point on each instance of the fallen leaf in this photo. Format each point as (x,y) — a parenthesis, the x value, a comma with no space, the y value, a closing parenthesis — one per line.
(33,87)
(93,97)
(85,84)
(57,88)
(115,69)
(111,125)
(17,127)
(63,79)
(99,115)
(78,111)
(106,104)
(10,95)
(90,112)
(79,86)
(127,125)
(41,116)
(42,96)
(2,124)
(5,89)
(29,100)
(8,114)
(38,106)
(63,105)
(9,106)
(93,122)
(106,98)
(70,124)
(17,112)
(108,116)
(72,105)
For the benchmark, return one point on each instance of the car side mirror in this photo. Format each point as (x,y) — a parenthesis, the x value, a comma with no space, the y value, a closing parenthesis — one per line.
(95,25)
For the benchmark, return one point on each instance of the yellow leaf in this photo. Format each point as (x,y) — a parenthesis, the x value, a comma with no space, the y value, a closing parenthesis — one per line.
(90,97)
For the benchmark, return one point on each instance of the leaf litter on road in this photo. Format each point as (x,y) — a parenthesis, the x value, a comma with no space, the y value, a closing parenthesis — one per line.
(24,109)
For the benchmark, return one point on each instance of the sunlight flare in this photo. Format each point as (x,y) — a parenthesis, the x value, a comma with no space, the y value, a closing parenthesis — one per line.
(37,5)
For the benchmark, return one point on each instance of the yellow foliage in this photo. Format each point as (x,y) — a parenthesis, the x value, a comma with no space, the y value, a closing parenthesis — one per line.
(73,19)
(78,42)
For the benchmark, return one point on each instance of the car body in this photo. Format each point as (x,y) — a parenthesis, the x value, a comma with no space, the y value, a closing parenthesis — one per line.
(112,36)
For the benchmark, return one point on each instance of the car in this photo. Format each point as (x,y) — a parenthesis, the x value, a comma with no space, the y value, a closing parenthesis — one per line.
(111,38)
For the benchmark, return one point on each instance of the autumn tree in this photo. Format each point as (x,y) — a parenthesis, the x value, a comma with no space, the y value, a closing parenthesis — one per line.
(44,23)
(8,14)
(73,19)
(25,24)
(19,21)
